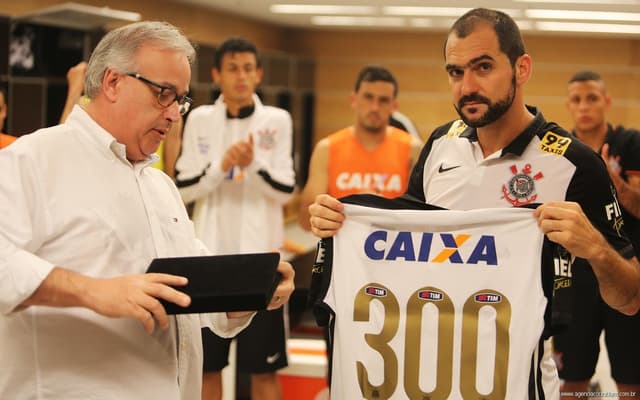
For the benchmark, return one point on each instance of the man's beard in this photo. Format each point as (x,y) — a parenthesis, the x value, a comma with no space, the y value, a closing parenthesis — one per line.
(373,127)
(494,111)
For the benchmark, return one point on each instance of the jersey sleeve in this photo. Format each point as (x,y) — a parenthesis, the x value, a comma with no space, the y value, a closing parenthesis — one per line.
(196,176)
(276,176)
(630,153)
(557,284)
(320,281)
(415,188)
(592,188)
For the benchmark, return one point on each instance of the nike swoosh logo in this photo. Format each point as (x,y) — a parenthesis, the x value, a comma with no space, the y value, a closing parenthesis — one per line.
(273,358)
(443,169)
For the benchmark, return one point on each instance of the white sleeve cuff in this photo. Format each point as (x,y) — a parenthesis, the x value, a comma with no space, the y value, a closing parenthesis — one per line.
(21,274)
(223,326)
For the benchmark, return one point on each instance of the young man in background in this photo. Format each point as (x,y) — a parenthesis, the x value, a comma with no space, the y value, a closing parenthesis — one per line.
(368,157)
(577,350)
(236,165)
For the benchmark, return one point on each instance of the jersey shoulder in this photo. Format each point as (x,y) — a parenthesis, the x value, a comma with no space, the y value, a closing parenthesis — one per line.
(554,140)
(625,136)
(277,112)
(203,110)
(341,136)
(398,135)
(452,129)
(405,202)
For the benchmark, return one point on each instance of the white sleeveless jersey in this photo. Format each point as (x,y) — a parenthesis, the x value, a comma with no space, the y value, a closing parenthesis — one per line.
(436,304)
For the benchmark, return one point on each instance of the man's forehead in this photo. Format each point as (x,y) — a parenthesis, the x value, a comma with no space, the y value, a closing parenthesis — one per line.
(482,41)
(240,57)
(376,86)
(174,71)
(590,86)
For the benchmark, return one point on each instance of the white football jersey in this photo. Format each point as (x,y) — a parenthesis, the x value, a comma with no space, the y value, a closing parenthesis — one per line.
(436,304)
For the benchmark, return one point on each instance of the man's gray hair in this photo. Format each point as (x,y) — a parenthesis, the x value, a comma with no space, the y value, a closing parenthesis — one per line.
(117,50)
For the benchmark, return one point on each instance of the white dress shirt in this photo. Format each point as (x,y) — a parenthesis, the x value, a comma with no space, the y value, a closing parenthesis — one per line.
(71,199)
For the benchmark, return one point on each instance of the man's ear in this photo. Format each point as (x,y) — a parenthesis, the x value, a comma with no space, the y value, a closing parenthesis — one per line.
(607,101)
(352,100)
(259,74)
(215,75)
(111,84)
(523,69)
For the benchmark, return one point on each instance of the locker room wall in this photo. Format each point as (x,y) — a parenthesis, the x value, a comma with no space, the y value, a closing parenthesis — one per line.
(331,59)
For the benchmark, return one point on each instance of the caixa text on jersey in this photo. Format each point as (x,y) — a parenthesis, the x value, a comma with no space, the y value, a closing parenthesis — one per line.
(431,247)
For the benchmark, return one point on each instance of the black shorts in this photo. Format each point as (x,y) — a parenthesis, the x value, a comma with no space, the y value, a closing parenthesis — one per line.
(578,348)
(261,347)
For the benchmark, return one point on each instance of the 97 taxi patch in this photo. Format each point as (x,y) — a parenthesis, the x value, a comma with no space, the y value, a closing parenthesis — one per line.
(554,143)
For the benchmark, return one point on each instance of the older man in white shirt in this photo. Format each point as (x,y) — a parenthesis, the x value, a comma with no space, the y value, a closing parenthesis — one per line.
(83,217)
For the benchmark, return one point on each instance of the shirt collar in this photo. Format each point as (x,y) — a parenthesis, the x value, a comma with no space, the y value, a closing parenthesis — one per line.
(520,143)
(101,138)
(257,105)
(244,112)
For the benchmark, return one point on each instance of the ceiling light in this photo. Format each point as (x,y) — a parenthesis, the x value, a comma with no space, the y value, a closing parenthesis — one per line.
(525,25)
(586,27)
(584,15)
(600,2)
(357,21)
(320,9)
(437,11)
(78,16)
(421,22)
(425,11)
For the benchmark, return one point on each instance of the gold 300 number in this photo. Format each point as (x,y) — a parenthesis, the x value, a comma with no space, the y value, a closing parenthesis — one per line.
(413,330)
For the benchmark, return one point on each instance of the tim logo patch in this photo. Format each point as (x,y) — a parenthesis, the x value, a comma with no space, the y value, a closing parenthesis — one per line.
(375,291)
(488,298)
(432,295)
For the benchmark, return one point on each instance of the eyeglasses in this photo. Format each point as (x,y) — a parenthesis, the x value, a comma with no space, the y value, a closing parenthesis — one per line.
(167,94)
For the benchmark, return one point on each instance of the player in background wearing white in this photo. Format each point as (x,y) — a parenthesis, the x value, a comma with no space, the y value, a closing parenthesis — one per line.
(236,165)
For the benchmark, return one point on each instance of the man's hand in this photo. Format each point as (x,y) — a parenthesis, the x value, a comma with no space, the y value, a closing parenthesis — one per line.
(618,278)
(239,154)
(75,79)
(285,287)
(613,168)
(326,216)
(628,191)
(566,224)
(136,296)
(131,296)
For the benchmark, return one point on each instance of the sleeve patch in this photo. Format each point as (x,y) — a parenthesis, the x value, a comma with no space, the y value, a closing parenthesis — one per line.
(456,129)
(320,256)
(554,143)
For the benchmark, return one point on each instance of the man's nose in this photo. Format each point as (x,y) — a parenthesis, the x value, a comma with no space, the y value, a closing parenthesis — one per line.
(172,113)
(469,84)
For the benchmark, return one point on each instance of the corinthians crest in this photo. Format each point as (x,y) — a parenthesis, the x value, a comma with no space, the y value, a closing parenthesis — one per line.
(267,138)
(520,189)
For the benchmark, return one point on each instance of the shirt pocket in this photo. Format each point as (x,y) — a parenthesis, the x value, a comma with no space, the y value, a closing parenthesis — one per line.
(179,238)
